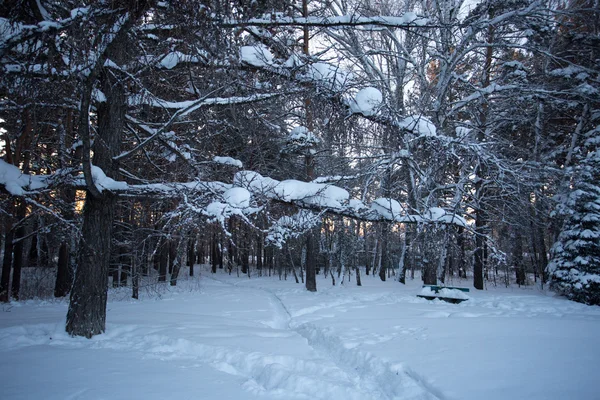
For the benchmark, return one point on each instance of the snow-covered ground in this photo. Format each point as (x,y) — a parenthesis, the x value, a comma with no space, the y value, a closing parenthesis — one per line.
(221,337)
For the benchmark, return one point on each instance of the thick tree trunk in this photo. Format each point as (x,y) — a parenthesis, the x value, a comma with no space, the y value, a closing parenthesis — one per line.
(87,307)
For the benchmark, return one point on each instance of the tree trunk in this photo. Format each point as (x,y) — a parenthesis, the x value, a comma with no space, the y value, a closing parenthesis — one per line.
(518,256)
(479,251)
(135,278)
(87,306)
(163,262)
(191,255)
(18,256)
(384,253)
(311,263)
(176,262)
(214,254)
(64,274)
(7,262)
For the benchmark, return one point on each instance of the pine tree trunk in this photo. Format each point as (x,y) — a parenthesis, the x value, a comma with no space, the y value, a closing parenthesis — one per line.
(87,307)
(7,261)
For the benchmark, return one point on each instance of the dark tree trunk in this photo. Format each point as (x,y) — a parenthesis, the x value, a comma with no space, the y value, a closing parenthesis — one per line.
(384,253)
(429,272)
(64,274)
(214,250)
(33,259)
(406,254)
(191,255)
(311,261)
(172,254)
(135,278)
(156,257)
(176,261)
(163,262)
(259,254)
(19,252)
(6,262)
(518,256)
(479,261)
(87,307)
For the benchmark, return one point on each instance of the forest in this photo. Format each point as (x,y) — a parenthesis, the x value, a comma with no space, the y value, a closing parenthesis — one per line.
(441,140)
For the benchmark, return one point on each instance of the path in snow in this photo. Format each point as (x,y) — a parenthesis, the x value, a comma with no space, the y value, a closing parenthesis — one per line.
(366,376)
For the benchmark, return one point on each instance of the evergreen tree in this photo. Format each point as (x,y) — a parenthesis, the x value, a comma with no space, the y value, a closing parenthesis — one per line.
(575,268)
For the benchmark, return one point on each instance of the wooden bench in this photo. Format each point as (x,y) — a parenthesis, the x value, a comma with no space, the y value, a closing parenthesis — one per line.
(436,289)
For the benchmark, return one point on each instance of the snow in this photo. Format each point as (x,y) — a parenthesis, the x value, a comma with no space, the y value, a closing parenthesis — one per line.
(419,125)
(221,337)
(237,197)
(81,11)
(173,58)
(327,75)
(366,102)
(290,190)
(228,161)
(17,183)
(407,19)
(104,182)
(388,208)
(258,56)
(439,215)
(302,134)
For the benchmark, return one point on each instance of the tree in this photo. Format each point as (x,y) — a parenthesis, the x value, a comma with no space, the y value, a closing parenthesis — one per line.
(574,270)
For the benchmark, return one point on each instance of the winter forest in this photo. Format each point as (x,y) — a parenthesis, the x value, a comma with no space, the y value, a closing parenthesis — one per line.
(314,143)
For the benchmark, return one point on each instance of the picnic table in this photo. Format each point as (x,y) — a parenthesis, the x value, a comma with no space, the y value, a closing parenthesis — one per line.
(451,294)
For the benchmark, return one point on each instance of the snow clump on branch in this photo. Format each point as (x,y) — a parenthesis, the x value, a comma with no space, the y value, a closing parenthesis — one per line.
(366,102)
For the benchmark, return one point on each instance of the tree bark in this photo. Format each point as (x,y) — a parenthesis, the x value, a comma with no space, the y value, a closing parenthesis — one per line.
(87,307)
(311,261)
(191,255)
(7,261)
(18,257)
(64,274)
(163,260)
